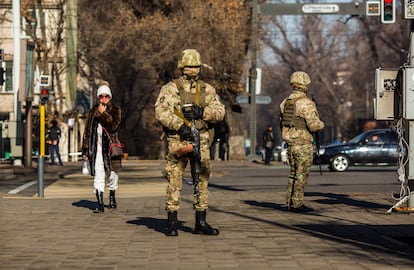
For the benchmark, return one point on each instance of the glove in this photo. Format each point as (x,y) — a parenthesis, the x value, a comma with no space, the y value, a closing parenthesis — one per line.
(198,112)
(185,132)
(192,112)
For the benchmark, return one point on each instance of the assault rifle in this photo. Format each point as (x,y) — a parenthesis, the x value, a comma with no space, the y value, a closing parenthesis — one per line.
(196,163)
(196,160)
(317,141)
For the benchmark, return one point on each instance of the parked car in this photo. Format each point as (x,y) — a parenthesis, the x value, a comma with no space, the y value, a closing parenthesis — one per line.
(283,152)
(378,147)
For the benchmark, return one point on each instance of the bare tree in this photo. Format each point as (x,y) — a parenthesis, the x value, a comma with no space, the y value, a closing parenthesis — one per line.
(44,24)
(341,57)
(135,46)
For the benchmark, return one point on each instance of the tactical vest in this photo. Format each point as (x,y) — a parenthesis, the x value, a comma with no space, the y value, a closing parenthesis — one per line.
(289,117)
(187,97)
(197,98)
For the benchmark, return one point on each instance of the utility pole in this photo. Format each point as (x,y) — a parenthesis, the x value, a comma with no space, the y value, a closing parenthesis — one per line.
(15,117)
(71,53)
(410,128)
(252,80)
(16,54)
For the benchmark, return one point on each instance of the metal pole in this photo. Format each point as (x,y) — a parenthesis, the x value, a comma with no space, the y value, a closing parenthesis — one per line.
(409,124)
(40,165)
(28,133)
(252,81)
(16,54)
(71,52)
(69,131)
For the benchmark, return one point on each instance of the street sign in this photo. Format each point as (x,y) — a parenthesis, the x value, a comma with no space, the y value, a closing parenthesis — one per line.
(44,80)
(409,9)
(373,8)
(259,99)
(271,9)
(258,82)
(320,8)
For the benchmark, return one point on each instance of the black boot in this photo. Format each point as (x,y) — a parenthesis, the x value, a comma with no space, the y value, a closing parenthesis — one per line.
(99,197)
(201,226)
(112,201)
(172,224)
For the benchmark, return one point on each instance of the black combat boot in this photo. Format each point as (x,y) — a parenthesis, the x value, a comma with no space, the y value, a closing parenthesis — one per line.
(100,207)
(172,224)
(201,226)
(112,201)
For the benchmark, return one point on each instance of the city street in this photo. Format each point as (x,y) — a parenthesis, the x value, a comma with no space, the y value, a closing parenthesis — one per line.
(349,228)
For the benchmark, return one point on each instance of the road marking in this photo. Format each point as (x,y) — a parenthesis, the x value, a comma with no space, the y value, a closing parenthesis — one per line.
(22,187)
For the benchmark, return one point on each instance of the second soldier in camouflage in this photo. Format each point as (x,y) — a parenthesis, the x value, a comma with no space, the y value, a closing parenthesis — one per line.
(299,119)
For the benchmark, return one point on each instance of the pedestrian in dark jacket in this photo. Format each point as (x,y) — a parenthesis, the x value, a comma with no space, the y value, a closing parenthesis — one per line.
(268,144)
(100,130)
(53,134)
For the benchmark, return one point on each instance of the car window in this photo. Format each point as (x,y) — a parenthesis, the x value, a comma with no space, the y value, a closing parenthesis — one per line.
(377,138)
(358,138)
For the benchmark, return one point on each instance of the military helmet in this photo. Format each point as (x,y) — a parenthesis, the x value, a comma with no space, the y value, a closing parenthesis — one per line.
(300,77)
(189,58)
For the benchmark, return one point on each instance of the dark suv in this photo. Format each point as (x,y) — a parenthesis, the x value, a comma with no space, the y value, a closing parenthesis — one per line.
(377,147)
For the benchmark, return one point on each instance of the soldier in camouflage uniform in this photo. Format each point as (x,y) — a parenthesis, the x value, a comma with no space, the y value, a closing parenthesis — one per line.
(299,119)
(206,110)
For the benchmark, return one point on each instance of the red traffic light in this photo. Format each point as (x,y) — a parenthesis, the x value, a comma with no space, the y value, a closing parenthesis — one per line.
(44,95)
(387,11)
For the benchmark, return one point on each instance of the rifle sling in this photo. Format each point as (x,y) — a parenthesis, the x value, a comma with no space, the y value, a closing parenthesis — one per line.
(180,88)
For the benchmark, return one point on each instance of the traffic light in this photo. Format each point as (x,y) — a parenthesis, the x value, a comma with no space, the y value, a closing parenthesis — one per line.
(2,73)
(44,95)
(388,11)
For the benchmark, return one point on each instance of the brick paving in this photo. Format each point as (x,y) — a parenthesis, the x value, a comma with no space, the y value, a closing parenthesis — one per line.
(60,231)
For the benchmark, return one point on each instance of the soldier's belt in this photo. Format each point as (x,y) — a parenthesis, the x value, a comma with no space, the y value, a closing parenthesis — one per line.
(293,126)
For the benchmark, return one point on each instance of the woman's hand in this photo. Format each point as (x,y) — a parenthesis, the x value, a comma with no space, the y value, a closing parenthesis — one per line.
(101,107)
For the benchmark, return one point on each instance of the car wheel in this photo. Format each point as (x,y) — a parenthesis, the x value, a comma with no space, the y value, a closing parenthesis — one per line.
(340,163)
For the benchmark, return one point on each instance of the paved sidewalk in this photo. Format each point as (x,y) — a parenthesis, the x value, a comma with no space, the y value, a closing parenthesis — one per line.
(60,231)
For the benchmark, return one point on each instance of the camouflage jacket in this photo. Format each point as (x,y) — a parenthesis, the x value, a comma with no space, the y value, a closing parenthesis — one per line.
(306,109)
(169,99)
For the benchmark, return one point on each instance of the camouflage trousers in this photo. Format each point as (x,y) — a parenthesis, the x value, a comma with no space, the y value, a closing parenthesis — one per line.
(175,168)
(300,159)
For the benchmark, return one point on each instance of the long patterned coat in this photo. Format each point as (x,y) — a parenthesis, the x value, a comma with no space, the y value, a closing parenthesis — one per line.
(110,120)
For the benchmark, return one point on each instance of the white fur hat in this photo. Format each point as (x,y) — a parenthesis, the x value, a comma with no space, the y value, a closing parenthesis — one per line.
(104,89)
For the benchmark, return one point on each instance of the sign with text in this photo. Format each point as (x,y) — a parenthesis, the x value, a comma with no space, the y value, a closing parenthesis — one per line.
(44,80)
(409,9)
(373,8)
(320,8)
(259,99)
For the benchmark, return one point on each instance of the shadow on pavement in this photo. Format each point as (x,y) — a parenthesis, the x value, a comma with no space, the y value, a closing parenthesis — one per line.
(158,225)
(332,198)
(222,187)
(85,204)
(380,238)
(279,207)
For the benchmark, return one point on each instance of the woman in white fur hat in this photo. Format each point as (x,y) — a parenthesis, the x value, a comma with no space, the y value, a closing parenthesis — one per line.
(101,129)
